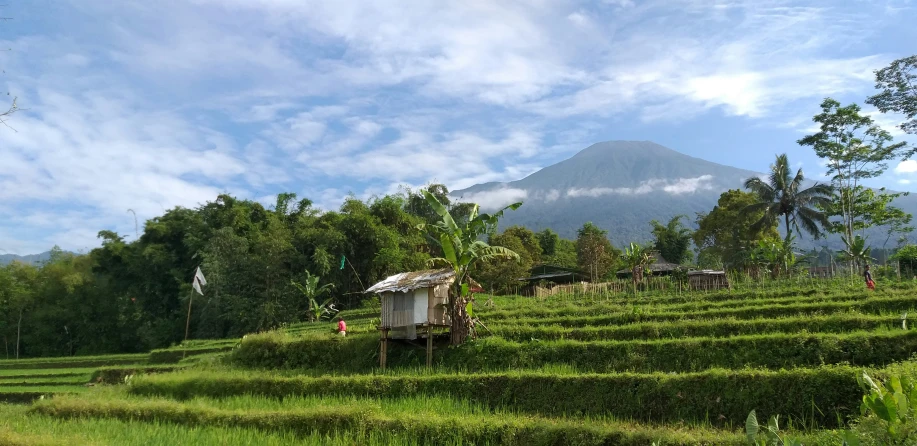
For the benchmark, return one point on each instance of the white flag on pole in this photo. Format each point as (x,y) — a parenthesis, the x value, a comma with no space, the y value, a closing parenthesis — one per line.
(198,281)
(199,276)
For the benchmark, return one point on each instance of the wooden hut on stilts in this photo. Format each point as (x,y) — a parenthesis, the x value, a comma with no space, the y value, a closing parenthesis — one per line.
(413,304)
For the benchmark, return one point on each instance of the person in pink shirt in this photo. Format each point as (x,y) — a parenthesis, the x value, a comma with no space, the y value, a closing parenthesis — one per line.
(342,327)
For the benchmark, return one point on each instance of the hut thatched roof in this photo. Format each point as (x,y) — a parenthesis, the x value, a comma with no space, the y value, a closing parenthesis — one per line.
(404,282)
(409,281)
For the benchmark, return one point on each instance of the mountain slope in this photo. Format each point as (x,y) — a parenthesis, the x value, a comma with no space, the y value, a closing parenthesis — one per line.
(33,259)
(620,186)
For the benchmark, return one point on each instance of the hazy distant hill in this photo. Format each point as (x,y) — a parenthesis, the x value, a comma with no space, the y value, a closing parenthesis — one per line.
(621,186)
(30,258)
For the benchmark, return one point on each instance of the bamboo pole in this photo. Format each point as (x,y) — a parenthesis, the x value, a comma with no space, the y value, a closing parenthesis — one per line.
(429,345)
(188,320)
(384,347)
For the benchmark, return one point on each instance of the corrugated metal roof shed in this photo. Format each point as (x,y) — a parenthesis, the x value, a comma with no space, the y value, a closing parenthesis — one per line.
(404,282)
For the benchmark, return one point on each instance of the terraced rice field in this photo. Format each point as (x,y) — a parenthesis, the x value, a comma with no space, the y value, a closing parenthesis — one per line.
(681,369)
(25,380)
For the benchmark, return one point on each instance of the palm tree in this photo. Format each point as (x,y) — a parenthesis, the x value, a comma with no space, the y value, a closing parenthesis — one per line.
(636,258)
(856,251)
(462,247)
(781,194)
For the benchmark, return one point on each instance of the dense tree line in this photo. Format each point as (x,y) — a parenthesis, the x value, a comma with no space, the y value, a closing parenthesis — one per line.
(133,295)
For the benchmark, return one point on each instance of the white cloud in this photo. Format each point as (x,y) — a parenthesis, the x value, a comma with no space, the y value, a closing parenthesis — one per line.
(904,181)
(689,185)
(904,167)
(496,198)
(621,3)
(674,187)
(552,195)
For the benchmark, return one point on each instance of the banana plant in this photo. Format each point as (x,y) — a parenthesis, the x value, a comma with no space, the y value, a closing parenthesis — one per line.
(312,291)
(774,255)
(462,247)
(637,259)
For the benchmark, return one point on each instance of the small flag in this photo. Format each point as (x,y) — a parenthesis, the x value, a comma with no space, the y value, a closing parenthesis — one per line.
(342,262)
(199,276)
(198,281)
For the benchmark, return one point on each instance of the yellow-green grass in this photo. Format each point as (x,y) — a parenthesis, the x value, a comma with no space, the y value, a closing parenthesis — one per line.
(649,305)
(719,327)
(26,372)
(70,362)
(357,354)
(720,396)
(45,380)
(22,429)
(428,420)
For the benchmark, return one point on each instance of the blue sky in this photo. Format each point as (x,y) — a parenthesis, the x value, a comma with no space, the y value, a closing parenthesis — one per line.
(148,105)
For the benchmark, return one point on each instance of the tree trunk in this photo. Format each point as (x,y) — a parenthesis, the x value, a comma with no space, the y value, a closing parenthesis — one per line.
(786,218)
(18,330)
(461,322)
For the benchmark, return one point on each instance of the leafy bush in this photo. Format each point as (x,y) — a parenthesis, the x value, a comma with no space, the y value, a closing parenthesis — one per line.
(174,355)
(425,428)
(840,323)
(720,396)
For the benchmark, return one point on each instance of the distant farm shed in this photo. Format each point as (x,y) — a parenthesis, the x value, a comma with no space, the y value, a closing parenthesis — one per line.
(708,280)
(659,267)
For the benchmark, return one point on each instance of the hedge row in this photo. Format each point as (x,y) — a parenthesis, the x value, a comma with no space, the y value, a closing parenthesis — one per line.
(70,362)
(359,353)
(563,310)
(174,355)
(116,375)
(691,354)
(46,375)
(875,305)
(20,397)
(841,323)
(719,396)
(506,430)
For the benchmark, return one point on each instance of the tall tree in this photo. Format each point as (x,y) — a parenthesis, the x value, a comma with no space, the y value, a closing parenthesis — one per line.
(673,240)
(462,247)
(547,239)
(594,251)
(17,292)
(502,275)
(782,195)
(855,149)
(727,233)
(898,92)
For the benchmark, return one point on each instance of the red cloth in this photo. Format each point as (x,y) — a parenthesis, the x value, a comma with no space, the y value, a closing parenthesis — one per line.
(342,326)
(871,285)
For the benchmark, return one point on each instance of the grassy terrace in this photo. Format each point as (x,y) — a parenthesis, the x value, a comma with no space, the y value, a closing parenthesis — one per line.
(672,369)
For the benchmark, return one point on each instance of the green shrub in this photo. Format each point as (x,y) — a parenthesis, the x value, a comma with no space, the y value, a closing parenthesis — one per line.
(503,429)
(116,375)
(693,328)
(174,355)
(897,304)
(359,353)
(719,396)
